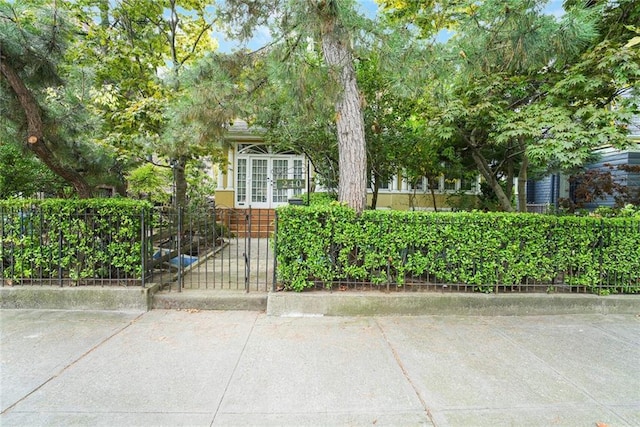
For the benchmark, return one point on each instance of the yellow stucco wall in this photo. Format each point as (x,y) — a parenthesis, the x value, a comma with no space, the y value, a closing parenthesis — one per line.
(224,198)
(403,201)
(395,201)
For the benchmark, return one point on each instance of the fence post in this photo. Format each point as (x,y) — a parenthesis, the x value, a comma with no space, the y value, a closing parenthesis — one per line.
(600,257)
(179,241)
(247,250)
(143,248)
(275,253)
(60,256)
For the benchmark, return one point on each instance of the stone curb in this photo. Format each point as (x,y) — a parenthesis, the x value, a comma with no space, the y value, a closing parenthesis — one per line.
(366,304)
(77,298)
(210,300)
(349,303)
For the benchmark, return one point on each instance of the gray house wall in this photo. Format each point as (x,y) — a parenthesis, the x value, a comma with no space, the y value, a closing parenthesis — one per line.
(549,189)
(615,159)
(542,191)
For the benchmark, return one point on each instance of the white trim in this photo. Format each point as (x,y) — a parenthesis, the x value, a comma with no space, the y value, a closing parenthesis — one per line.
(269,184)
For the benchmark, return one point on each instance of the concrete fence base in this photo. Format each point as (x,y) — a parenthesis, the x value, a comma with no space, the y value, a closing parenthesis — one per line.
(77,298)
(315,303)
(364,304)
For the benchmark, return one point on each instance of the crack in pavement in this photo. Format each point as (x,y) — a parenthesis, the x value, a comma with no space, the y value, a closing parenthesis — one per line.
(396,356)
(82,356)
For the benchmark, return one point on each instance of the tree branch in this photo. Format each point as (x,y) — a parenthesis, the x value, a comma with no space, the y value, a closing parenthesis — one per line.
(35,130)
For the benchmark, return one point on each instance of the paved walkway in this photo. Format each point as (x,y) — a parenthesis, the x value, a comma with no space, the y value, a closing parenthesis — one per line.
(228,266)
(203,368)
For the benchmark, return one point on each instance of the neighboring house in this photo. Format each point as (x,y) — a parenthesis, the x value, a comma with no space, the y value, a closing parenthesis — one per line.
(615,158)
(549,191)
(258,176)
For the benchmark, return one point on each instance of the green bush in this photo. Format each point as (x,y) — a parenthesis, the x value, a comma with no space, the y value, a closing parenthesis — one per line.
(330,243)
(320,198)
(89,238)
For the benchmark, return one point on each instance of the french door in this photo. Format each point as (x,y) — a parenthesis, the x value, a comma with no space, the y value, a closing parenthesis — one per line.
(257,177)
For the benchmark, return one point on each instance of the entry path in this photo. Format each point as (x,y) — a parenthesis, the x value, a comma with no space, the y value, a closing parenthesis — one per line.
(240,258)
(204,368)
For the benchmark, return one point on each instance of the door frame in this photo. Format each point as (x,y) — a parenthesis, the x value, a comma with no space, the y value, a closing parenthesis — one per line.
(247,171)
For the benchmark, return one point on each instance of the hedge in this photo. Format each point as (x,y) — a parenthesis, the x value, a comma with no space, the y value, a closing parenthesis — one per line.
(71,239)
(329,244)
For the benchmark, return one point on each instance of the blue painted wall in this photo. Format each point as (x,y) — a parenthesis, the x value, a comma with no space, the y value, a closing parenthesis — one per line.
(617,158)
(545,191)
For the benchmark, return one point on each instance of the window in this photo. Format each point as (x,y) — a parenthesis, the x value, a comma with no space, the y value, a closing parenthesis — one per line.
(450,184)
(258,180)
(418,184)
(298,172)
(241,187)
(383,185)
(434,184)
(467,184)
(280,169)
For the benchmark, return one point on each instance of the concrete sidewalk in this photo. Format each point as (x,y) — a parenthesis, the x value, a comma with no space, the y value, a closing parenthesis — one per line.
(220,368)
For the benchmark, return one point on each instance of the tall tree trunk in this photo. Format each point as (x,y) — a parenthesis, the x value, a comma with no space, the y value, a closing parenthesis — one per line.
(35,131)
(180,181)
(352,185)
(522,180)
(510,176)
(488,175)
(376,189)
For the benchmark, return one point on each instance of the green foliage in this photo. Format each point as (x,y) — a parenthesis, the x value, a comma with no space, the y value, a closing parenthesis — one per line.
(45,93)
(330,243)
(627,211)
(22,174)
(516,88)
(320,198)
(88,238)
(150,182)
(461,201)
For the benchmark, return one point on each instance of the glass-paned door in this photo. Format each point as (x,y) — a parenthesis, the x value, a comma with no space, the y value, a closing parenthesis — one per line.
(257,180)
(298,173)
(280,169)
(241,185)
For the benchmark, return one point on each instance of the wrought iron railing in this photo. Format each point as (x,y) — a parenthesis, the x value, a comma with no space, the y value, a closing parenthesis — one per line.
(446,253)
(219,248)
(83,247)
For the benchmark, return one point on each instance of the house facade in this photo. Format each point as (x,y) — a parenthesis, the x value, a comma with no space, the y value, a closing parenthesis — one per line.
(551,190)
(259,176)
(256,175)
(446,193)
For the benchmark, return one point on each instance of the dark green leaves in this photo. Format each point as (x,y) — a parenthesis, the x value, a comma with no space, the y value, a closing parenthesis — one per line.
(329,244)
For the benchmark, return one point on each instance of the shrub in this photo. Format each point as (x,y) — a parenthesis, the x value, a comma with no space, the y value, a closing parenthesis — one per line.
(330,243)
(89,238)
(320,198)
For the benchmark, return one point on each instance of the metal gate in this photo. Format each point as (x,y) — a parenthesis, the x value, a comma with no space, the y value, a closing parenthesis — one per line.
(208,248)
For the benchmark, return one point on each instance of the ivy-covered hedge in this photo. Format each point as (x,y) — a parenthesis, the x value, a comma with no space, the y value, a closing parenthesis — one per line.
(72,239)
(331,244)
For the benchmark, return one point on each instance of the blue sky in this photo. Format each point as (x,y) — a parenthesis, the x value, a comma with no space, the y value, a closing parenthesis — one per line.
(369,7)
(554,7)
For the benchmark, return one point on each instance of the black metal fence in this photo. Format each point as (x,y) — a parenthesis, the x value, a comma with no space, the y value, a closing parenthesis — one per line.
(455,253)
(75,248)
(213,249)
(209,248)
(195,248)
